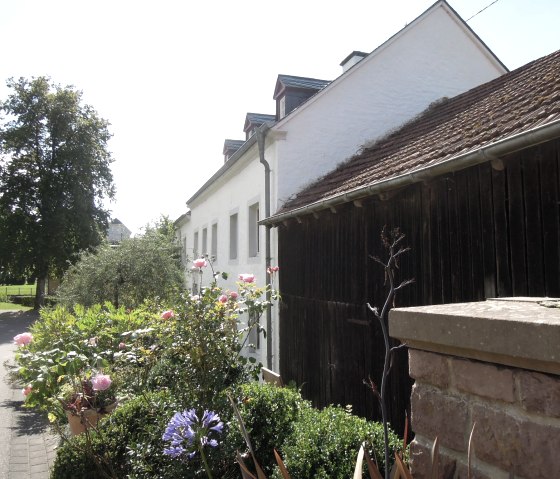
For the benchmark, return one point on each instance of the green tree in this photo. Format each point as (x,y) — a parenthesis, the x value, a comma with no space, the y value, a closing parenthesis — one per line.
(54,175)
(146,267)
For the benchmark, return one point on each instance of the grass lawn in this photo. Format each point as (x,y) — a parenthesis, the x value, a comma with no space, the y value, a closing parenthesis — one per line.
(12,306)
(18,289)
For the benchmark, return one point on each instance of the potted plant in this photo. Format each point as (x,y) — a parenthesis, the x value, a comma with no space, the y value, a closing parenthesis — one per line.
(86,400)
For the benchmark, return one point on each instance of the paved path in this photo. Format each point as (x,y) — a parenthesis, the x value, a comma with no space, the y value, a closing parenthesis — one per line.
(27,449)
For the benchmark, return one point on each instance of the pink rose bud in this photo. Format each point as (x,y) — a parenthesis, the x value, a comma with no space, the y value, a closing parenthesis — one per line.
(23,339)
(167,314)
(223,298)
(26,390)
(199,263)
(247,278)
(233,295)
(100,382)
(275,269)
(122,345)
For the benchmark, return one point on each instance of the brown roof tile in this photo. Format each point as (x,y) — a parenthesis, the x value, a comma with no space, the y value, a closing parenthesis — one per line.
(511,104)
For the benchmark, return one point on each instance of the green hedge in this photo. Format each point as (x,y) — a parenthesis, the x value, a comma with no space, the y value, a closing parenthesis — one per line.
(325,444)
(129,444)
(314,444)
(113,449)
(269,414)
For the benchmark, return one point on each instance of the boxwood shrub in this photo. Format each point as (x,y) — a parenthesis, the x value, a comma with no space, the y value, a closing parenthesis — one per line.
(325,444)
(269,414)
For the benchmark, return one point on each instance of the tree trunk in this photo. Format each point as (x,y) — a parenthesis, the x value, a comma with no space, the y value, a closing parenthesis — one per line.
(40,293)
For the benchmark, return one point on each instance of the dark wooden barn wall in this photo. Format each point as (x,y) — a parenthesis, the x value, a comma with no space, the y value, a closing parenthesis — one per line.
(478,233)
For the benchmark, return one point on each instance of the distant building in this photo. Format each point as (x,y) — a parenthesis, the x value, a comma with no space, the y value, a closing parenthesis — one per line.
(117,232)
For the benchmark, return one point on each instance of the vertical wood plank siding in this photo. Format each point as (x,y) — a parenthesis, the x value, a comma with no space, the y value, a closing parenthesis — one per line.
(478,233)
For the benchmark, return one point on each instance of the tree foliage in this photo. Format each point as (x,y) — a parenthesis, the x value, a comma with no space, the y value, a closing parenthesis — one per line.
(54,175)
(142,268)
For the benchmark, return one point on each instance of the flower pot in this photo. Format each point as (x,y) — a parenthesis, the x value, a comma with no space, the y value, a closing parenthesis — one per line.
(87,418)
(80,422)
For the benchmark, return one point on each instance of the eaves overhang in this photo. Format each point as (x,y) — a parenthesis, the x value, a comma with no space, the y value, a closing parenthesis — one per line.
(228,164)
(489,152)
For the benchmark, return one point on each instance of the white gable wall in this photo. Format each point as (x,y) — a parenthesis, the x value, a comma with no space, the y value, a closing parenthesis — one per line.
(432,58)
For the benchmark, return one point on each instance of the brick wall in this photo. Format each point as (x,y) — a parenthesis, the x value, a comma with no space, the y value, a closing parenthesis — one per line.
(517,415)
(516,409)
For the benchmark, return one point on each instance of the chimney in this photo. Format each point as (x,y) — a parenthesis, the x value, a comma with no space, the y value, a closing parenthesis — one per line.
(351,60)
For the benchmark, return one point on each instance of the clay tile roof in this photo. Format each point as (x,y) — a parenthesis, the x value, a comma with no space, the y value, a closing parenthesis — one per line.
(511,104)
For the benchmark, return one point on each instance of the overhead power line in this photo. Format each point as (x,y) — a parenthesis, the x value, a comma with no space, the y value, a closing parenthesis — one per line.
(482,10)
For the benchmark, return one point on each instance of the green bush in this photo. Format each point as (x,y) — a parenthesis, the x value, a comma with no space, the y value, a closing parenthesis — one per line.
(269,414)
(139,423)
(28,301)
(142,268)
(129,443)
(325,444)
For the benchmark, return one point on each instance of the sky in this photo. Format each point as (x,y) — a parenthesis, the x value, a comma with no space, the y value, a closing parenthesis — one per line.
(175,78)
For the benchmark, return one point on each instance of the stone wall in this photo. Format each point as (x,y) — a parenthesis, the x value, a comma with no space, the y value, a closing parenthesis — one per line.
(472,364)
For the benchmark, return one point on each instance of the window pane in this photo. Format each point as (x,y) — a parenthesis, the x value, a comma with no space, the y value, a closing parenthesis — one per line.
(254,230)
(233,236)
(214,248)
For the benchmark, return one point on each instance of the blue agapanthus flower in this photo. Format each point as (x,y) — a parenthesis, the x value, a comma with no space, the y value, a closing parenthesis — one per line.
(187,434)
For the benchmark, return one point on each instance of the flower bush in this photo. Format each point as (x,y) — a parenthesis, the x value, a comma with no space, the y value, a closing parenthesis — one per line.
(70,347)
(171,368)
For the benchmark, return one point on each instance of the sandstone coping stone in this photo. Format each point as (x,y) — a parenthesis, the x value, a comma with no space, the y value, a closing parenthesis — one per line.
(519,332)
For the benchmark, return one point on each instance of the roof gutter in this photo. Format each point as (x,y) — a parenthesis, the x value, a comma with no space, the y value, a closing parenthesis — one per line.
(493,151)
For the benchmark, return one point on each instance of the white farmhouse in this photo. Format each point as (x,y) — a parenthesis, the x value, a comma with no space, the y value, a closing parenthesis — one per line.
(316,123)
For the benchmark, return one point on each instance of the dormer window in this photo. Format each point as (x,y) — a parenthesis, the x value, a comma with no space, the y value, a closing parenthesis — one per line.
(254,121)
(292,91)
(282,107)
(230,147)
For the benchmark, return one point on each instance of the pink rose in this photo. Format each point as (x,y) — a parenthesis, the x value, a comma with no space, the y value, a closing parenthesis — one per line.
(23,339)
(233,295)
(247,278)
(199,263)
(223,298)
(122,345)
(168,314)
(100,382)
(26,390)
(272,269)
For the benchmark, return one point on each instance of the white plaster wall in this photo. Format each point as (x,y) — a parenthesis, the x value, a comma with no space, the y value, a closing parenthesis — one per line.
(234,192)
(432,58)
